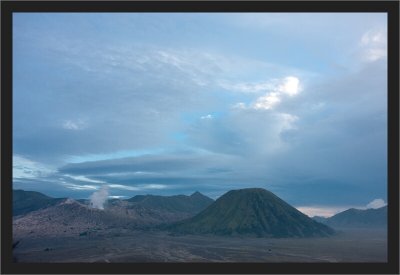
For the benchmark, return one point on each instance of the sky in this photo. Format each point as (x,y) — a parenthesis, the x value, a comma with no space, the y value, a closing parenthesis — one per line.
(173,103)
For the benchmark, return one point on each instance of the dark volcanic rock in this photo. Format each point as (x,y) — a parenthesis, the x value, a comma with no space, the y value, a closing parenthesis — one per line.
(70,217)
(65,218)
(77,218)
(252,211)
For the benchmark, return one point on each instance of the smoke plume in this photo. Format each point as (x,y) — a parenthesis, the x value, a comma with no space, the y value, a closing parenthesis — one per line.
(98,198)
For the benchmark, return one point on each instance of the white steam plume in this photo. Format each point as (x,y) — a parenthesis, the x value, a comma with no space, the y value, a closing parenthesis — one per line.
(98,198)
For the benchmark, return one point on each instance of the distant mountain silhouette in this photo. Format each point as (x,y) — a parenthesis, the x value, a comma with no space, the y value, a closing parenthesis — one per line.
(28,201)
(192,204)
(357,218)
(252,211)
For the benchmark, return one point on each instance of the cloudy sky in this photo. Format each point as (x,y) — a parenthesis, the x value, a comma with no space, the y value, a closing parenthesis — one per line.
(174,103)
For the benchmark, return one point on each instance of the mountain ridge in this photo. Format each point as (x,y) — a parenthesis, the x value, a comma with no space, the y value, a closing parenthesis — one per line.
(357,218)
(176,203)
(28,201)
(46,215)
(251,211)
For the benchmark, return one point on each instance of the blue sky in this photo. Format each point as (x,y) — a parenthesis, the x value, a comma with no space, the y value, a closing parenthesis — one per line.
(174,103)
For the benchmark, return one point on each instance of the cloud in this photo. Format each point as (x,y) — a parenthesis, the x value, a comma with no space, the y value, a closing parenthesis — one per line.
(321,211)
(288,121)
(207,117)
(239,105)
(374,37)
(153,186)
(374,45)
(376,203)
(290,86)
(275,90)
(114,155)
(74,125)
(244,132)
(84,179)
(247,87)
(117,197)
(300,26)
(375,54)
(134,187)
(152,85)
(123,187)
(29,169)
(138,187)
(180,171)
(159,163)
(267,102)
(80,187)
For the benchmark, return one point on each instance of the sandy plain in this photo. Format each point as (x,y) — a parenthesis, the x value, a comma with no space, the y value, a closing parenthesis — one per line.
(118,245)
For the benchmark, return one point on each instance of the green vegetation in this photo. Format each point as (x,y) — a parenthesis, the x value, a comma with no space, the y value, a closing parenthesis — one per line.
(252,211)
(179,203)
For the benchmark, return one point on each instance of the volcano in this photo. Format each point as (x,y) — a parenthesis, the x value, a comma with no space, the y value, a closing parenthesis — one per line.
(255,212)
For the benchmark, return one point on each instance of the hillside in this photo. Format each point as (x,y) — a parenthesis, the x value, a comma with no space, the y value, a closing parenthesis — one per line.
(43,215)
(70,217)
(357,218)
(66,217)
(192,204)
(27,201)
(252,211)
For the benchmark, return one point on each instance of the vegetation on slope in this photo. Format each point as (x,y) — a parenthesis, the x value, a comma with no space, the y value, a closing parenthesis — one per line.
(252,211)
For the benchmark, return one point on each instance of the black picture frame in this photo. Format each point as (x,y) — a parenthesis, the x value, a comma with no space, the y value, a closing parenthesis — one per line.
(389,7)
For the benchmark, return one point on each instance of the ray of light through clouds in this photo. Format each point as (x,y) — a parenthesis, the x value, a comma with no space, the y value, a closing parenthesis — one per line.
(174,103)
